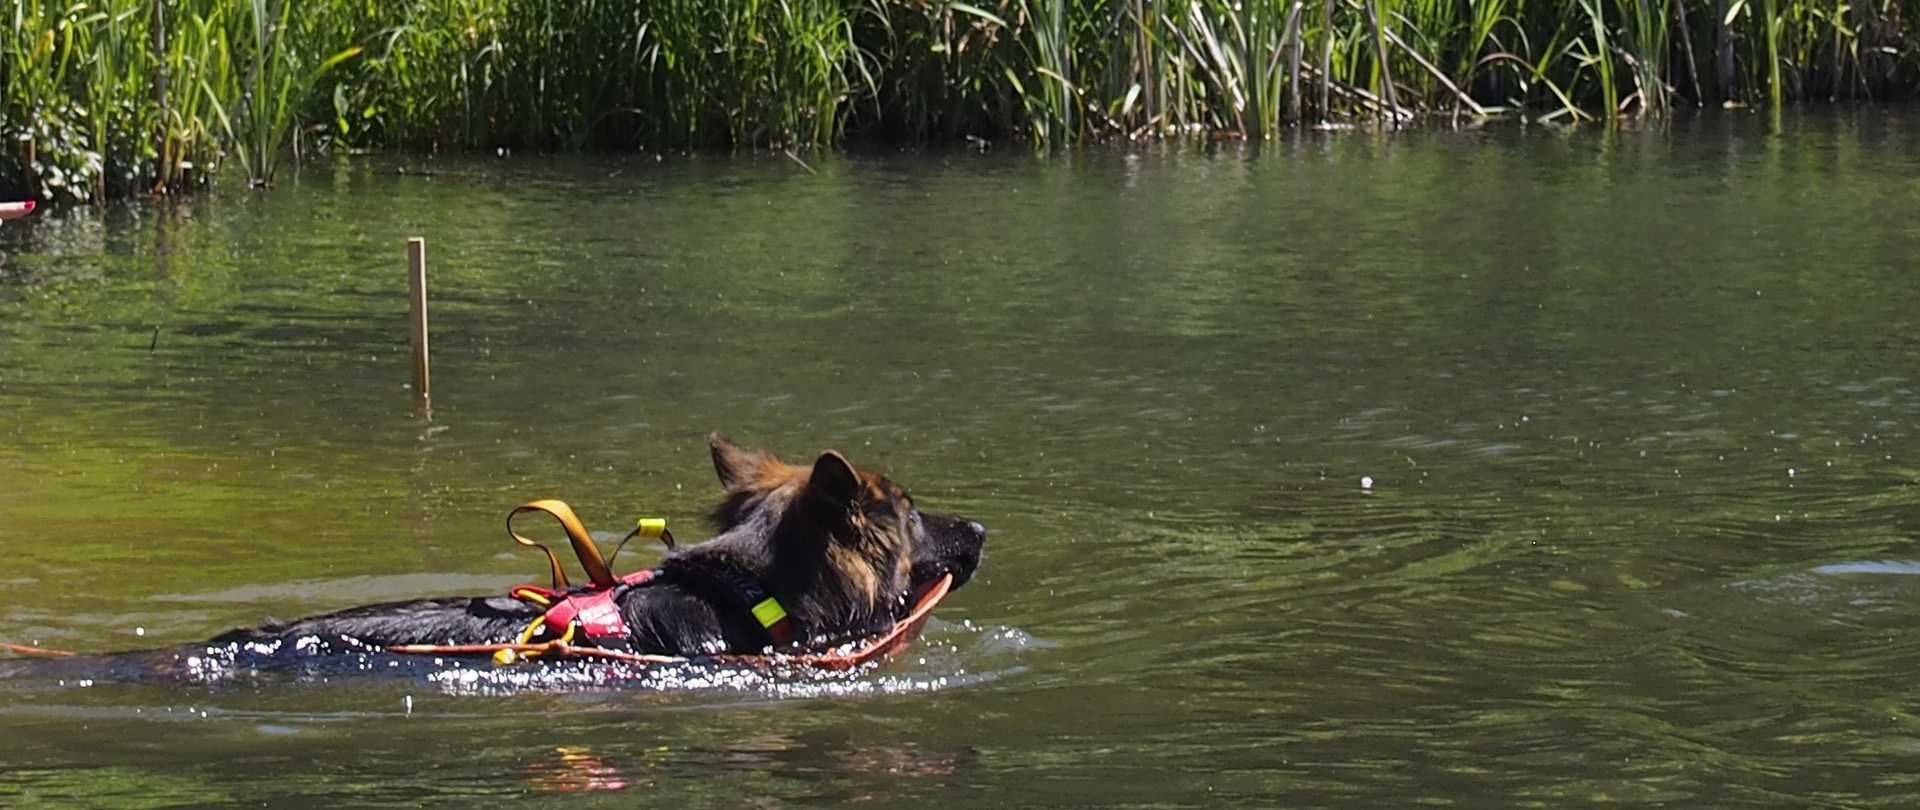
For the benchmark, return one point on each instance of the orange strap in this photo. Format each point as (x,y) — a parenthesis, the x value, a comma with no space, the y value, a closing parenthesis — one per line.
(37,652)
(583,546)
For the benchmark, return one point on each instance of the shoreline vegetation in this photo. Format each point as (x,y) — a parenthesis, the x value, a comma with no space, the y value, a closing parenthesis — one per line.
(132,97)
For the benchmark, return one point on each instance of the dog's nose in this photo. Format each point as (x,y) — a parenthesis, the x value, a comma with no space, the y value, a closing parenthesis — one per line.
(978,529)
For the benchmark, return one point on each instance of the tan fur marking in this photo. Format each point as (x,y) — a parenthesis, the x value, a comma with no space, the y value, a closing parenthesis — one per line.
(860,577)
(774,474)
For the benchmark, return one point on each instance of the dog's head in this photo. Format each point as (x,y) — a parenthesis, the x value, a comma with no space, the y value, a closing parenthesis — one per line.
(856,532)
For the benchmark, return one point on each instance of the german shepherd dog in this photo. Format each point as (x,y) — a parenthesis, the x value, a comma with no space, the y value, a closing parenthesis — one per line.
(840,548)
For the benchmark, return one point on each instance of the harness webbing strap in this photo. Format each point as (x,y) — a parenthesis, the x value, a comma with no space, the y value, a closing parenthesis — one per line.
(583,546)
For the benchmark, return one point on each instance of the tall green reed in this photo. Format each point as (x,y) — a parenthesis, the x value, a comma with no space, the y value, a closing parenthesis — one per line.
(103,97)
(259,124)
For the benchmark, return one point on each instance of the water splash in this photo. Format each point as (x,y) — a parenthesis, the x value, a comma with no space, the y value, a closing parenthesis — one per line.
(949,656)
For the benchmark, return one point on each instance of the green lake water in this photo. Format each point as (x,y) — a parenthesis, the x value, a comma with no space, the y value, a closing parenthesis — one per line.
(1509,468)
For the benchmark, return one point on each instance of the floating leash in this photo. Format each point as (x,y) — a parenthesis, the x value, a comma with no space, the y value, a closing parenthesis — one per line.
(34,652)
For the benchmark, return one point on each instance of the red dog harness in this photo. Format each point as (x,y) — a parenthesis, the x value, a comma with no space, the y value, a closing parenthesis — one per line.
(593,611)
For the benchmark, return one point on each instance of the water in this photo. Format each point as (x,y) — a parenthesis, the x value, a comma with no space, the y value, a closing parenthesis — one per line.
(1637,412)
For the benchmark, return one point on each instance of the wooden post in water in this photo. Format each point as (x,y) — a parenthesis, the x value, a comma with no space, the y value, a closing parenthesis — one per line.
(417,301)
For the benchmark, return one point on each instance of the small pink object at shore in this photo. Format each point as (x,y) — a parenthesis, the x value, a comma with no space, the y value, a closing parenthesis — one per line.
(15,210)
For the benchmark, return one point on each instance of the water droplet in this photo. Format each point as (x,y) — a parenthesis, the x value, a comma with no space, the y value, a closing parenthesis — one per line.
(1366,482)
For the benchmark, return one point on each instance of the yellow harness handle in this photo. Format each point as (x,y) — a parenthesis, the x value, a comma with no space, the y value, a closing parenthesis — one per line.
(583,546)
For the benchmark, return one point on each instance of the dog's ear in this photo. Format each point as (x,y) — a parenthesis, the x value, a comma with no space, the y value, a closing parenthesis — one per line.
(833,481)
(736,465)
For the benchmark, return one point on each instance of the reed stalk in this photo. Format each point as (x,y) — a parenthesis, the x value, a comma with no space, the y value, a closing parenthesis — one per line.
(106,97)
